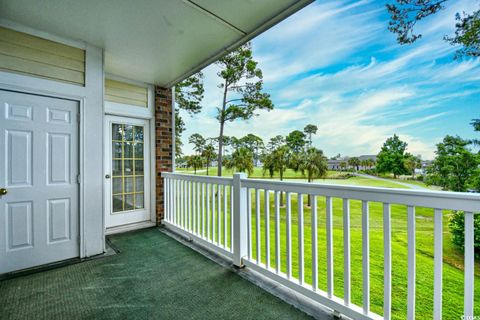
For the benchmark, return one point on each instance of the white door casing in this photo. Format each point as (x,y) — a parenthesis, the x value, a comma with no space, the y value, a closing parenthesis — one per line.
(39,167)
(127,171)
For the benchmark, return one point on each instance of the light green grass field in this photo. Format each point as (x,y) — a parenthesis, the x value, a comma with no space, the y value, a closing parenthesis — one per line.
(453,258)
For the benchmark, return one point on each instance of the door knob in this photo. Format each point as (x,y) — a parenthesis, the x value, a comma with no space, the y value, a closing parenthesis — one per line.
(107,176)
(3,191)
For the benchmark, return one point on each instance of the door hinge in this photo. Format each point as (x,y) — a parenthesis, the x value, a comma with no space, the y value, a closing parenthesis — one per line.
(78,179)
(78,117)
(78,239)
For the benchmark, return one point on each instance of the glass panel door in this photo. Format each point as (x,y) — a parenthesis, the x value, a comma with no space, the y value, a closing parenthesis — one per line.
(128,155)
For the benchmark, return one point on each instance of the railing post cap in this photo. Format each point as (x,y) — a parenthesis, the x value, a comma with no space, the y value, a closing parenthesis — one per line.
(241,175)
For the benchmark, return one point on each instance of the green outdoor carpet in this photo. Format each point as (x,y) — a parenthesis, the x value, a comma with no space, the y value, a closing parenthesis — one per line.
(153,277)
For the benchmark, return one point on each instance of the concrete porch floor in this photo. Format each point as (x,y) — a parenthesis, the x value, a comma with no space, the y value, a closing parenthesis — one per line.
(153,277)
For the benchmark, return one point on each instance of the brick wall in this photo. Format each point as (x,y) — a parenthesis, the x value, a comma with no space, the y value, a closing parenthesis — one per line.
(163,142)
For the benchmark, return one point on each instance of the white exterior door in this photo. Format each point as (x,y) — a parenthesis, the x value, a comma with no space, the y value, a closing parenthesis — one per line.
(127,171)
(38,174)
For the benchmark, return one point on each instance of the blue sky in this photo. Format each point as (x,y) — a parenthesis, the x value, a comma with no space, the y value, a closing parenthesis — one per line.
(334,64)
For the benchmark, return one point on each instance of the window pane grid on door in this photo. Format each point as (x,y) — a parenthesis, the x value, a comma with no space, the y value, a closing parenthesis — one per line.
(127,164)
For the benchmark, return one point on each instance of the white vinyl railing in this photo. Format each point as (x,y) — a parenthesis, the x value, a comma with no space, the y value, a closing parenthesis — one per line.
(217,213)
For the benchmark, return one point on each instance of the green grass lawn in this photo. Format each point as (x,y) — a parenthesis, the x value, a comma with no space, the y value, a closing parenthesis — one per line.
(257,173)
(453,259)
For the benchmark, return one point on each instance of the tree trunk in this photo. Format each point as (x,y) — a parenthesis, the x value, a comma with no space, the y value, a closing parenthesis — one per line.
(222,125)
(207,168)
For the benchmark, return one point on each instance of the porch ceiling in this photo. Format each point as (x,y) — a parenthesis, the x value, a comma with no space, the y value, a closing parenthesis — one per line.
(154,41)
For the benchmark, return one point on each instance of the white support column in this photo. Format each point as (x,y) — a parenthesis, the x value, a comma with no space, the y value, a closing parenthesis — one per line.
(239,219)
(174,134)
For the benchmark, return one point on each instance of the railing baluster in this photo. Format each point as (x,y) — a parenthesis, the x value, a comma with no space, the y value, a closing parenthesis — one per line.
(194,209)
(214,222)
(203,209)
(176,203)
(257,224)
(277,232)
(224,216)
(314,243)
(346,252)
(184,203)
(387,262)
(249,224)
(365,257)
(469,266)
(207,198)
(166,197)
(231,218)
(438,264)
(219,213)
(288,201)
(300,240)
(329,226)
(199,210)
(267,227)
(172,200)
(189,207)
(411,262)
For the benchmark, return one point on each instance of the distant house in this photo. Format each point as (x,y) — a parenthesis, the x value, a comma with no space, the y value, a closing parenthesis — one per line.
(335,164)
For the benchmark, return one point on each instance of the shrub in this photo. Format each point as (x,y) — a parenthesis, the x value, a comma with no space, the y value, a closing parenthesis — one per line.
(456,223)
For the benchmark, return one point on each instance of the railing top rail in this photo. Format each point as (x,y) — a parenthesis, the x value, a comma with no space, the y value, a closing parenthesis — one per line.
(191,177)
(423,198)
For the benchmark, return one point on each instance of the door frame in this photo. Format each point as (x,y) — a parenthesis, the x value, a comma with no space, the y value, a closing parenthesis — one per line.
(4,78)
(107,136)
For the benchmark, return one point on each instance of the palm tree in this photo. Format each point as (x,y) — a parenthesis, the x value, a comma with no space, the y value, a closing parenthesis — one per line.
(194,162)
(343,165)
(242,160)
(354,162)
(313,164)
(281,160)
(411,163)
(209,154)
(268,164)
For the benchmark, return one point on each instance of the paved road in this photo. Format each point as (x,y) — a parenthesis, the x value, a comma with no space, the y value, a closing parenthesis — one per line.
(412,186)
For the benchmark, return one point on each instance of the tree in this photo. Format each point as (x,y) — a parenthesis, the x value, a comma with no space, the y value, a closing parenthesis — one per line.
(343,165)
(309,130)
(275,142)
(188,97)
(242,160)
(243,79)
(194,162)
(268,164)
(354,162)
(405,14)
(456,224)
(313,164)
(392,157)
(296,141)
(476,127)
(254,144)
(208,154)
(454,166)
(198,142)
(281,160)
(411,163)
